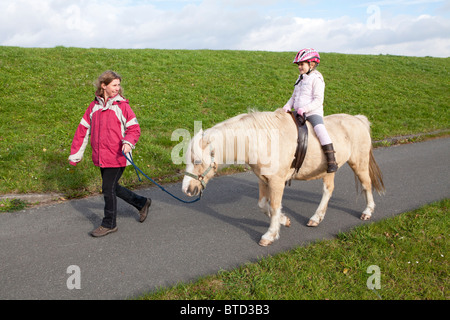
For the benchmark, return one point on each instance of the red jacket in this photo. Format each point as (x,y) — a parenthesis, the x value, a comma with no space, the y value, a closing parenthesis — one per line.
(110,125)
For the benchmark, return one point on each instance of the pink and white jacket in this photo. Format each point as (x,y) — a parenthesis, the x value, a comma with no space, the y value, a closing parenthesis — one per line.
(109,125)
(308,94)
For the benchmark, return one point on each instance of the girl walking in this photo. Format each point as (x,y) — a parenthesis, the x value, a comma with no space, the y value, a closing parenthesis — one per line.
(113,128)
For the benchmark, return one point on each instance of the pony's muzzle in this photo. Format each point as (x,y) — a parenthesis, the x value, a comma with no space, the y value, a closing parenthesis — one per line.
(191,187)
(196,191)
(193,191)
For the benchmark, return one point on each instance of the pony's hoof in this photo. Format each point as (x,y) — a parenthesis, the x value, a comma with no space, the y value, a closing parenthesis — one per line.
(288,222)
(365,216)
(265,242)
(312,223)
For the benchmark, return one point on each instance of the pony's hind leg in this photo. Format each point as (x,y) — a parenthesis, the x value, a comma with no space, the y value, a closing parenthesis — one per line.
(362,172)
(276,215)
(366,184)
(328,187)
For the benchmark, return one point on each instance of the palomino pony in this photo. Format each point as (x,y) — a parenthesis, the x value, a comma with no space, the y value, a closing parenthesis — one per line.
(267,142)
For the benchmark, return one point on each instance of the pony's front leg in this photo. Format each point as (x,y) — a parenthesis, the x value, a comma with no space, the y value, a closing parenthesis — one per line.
(328,187)
(263,202)
(276,216)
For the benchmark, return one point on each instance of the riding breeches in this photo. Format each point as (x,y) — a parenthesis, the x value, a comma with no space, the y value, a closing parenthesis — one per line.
(319,129)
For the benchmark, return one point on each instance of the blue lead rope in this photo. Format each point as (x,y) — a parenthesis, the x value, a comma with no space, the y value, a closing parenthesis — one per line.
(136,168)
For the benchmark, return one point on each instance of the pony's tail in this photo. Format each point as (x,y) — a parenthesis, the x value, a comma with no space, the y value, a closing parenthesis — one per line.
(374,170)
(375,174)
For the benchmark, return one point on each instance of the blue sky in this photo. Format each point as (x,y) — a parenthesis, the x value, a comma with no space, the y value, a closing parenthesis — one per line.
(400,27)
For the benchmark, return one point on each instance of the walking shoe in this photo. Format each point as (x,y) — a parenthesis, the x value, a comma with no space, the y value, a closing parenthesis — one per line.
(144,211)
(102,231)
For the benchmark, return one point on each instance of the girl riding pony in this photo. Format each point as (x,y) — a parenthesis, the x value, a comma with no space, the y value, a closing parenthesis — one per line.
(307,100)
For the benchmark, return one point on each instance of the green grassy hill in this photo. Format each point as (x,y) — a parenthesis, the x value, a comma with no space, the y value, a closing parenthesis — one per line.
(44,93)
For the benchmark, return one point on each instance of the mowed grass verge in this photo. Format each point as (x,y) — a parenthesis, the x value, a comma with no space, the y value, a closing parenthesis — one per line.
(411,251)
(46,91)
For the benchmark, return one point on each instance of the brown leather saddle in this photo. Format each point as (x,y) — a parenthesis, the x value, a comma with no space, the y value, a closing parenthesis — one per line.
(302,141)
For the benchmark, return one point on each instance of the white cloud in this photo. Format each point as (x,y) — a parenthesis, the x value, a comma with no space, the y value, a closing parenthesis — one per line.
(225,24)
(421,36)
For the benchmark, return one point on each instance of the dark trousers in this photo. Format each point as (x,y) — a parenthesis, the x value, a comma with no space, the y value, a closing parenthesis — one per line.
(111,190)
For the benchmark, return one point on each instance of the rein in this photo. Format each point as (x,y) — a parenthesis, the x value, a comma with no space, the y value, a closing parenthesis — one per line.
(136,168)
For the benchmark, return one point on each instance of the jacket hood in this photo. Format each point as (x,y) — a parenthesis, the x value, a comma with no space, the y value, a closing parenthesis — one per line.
(109,102)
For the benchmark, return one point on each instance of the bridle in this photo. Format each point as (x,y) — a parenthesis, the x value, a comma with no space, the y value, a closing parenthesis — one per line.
(201,177)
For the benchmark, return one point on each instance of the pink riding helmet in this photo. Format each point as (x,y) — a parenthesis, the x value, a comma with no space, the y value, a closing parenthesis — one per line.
(308,54)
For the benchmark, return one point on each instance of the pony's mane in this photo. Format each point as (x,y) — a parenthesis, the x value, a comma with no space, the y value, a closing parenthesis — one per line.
(254,120)
(246,135)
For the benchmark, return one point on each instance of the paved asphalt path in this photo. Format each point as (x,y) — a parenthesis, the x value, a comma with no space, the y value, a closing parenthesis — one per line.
(181,242)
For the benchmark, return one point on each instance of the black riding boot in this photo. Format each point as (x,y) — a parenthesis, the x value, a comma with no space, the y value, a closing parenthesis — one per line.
(331,161)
